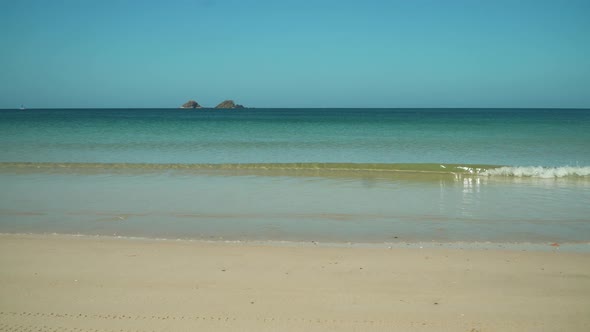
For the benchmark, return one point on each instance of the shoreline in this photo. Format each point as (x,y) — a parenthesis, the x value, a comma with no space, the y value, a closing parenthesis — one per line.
(579,247)
(82,283)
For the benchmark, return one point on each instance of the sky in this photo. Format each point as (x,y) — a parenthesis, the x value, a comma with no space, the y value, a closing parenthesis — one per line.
(322,53)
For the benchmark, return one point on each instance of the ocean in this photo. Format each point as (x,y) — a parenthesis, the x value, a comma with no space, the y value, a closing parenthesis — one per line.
(324,175)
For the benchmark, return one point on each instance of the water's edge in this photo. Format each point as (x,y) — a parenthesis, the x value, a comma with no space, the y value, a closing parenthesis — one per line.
(583,247)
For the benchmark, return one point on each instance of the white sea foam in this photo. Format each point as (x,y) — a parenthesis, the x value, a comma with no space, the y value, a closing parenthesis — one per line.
(539,172)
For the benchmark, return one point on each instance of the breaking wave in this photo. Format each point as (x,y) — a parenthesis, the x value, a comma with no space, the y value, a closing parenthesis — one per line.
(539,172)
(323,168)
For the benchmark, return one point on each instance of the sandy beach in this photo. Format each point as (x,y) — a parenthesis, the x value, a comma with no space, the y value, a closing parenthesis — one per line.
(67,283)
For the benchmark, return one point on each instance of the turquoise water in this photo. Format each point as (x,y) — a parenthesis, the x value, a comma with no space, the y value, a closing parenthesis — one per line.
(338,175)
(498,137)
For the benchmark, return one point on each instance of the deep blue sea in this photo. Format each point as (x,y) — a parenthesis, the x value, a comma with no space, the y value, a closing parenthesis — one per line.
(333,175)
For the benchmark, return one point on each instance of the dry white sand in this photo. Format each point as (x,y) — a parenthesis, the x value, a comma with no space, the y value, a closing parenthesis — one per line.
(62,283)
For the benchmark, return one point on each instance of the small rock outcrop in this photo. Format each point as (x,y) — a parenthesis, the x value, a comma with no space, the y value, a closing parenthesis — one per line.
(229,104)
(190,104)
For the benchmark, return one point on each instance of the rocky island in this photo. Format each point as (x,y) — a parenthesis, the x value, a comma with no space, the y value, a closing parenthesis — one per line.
(226,104)
(190,104)
(229,104)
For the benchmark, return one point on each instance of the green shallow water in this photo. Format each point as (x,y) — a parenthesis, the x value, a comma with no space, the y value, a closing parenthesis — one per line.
(395,170)
(294,167)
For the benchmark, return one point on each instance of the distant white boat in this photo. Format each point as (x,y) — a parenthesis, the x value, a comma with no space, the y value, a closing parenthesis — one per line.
(22,107)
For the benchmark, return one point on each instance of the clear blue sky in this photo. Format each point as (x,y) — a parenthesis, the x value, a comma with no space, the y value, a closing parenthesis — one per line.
(413,53)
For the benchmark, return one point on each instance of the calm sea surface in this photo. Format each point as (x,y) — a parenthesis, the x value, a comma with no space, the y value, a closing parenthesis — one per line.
(338,175)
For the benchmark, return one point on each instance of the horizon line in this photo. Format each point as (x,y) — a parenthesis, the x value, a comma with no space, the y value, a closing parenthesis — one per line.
(246,108)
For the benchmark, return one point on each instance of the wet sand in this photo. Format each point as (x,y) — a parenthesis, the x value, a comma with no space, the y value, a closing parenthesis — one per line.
(67,283)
